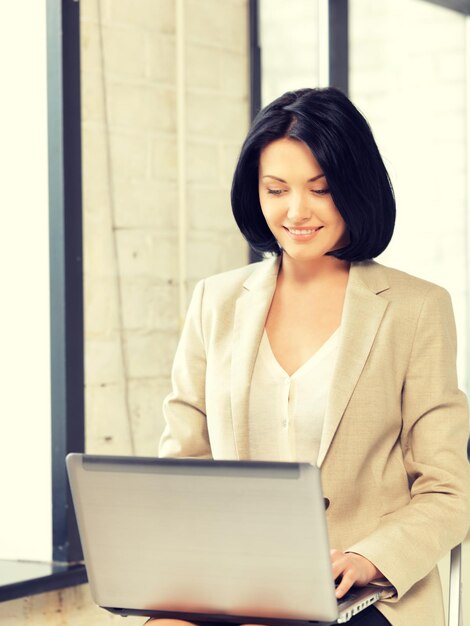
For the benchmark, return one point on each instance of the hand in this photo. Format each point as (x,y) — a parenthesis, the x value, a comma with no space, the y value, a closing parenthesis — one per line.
(353,569)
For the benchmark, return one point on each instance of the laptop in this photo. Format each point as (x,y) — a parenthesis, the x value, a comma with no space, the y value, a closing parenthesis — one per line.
(212,541)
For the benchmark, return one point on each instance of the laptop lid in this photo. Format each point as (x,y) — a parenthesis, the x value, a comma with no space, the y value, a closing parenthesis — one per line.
(194,538)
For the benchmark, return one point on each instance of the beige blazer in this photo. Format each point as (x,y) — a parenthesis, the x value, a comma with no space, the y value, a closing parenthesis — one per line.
(393,450)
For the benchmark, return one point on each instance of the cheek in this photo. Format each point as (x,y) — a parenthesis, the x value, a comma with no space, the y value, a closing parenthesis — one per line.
(342,225)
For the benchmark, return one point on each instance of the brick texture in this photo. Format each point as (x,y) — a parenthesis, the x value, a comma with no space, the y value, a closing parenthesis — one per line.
(131,194)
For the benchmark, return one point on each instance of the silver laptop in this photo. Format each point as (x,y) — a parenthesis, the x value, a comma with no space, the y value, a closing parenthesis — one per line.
(213,541)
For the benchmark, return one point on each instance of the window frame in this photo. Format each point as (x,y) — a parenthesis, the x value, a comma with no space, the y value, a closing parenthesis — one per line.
(19,579)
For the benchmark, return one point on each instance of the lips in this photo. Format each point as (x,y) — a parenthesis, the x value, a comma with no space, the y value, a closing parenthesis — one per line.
(303,231)
(302,235)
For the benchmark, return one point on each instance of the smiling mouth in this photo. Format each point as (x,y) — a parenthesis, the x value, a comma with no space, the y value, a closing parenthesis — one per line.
(303,231)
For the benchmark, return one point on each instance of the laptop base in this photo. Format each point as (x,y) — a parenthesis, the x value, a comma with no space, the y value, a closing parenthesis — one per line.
(210,618)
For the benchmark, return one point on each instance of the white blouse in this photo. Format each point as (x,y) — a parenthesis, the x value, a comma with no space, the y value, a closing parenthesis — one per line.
(286,413)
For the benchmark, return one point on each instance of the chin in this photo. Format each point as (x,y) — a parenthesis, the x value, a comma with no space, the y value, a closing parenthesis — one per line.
(303,254)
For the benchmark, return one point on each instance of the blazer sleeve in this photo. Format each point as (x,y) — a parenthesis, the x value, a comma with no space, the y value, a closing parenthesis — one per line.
(409,542)
(184,409)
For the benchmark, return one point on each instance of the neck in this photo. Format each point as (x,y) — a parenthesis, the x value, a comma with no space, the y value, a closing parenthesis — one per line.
(325,268)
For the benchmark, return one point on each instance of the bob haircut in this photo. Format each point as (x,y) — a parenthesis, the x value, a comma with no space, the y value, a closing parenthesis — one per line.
(342,142)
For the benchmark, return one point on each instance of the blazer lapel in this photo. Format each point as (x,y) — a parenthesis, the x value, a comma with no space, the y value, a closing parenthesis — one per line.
(362,314)
(251,310)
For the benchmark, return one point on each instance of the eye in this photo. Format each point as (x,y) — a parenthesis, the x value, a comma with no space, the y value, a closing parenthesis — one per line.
(321,192)
(274,192)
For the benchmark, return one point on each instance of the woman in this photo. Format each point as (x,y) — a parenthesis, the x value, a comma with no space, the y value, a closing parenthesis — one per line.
(320,354)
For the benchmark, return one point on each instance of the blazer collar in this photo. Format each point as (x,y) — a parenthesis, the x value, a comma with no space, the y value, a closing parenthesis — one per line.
(251,311)
(363,311)
(362,314)
(264,274)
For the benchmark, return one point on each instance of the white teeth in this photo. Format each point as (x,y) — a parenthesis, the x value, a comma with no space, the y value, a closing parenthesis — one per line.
(304,231)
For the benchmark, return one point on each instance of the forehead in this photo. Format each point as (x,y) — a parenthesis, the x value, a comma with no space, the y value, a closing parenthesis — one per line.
(288,155)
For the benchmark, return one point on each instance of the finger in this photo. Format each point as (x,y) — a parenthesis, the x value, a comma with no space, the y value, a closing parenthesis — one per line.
(339,565)
(338,568)
(346,583)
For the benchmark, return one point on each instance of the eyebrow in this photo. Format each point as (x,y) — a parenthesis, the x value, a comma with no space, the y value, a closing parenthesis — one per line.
(310,180)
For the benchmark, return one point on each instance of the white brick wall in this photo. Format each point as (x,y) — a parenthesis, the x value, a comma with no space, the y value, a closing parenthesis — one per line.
(131,194)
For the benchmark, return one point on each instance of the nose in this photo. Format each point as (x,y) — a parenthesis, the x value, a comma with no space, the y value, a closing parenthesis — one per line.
(298,210)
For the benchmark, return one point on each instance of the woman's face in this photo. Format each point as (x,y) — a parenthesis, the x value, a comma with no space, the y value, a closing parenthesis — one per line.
(296,202)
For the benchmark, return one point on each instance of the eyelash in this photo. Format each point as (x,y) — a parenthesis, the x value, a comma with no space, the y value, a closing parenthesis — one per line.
(318,192)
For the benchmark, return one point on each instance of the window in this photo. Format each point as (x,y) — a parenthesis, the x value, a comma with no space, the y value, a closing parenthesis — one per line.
(42,324)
